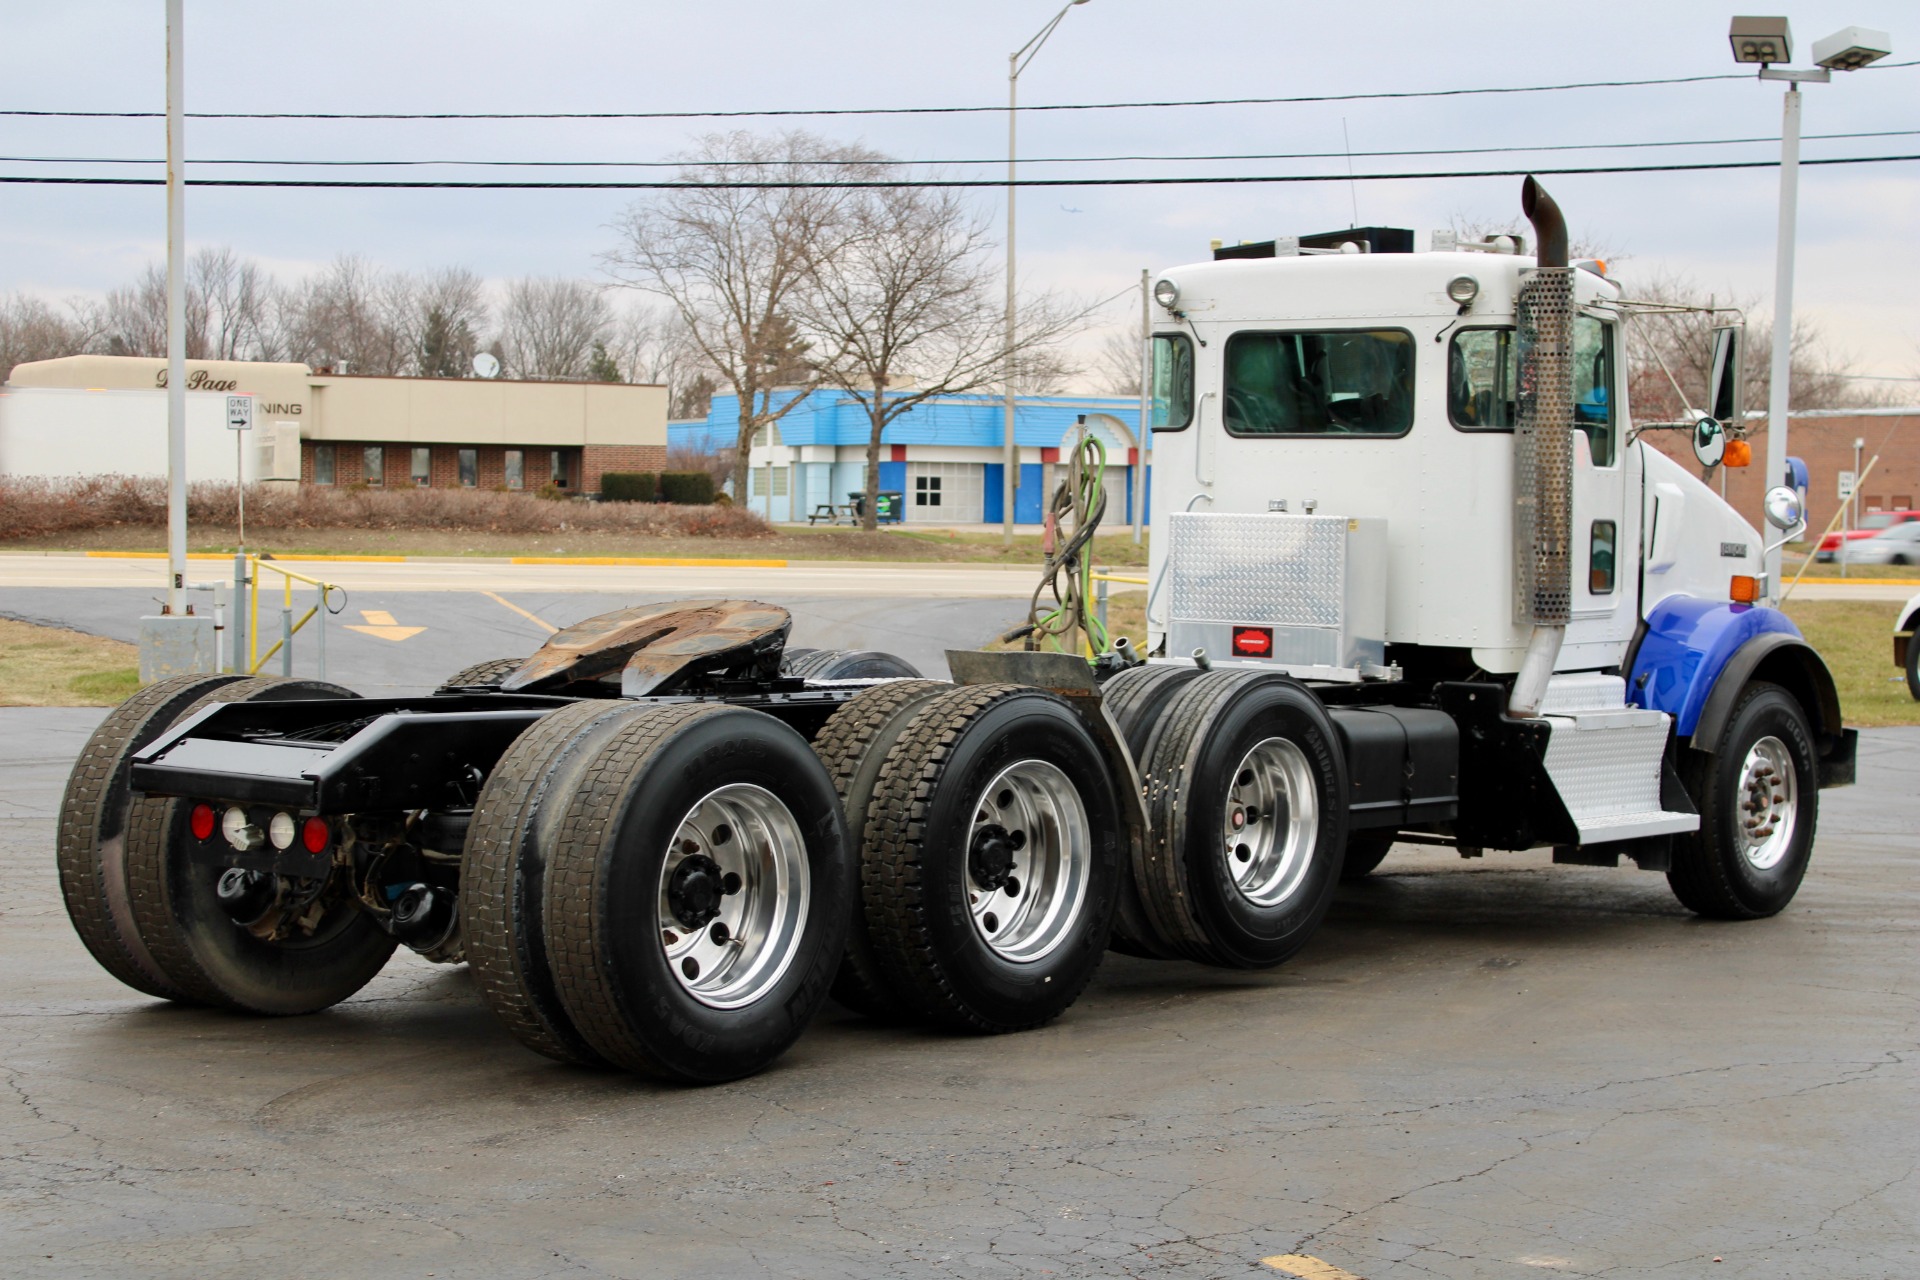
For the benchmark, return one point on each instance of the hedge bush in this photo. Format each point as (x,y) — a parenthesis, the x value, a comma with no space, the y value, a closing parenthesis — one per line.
(629,486)
(686,488)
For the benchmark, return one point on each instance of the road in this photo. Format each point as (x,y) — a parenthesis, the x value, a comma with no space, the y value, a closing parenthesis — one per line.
(1478,1069)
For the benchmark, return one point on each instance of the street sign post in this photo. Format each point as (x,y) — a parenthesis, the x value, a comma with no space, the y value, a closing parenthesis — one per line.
(240,418)
(1846,485)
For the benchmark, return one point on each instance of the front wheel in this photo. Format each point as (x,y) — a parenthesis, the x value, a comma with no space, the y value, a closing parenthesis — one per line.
(1759,802)
(1913,666)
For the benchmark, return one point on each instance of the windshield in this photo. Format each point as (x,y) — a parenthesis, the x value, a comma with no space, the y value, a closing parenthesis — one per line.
(1355,382)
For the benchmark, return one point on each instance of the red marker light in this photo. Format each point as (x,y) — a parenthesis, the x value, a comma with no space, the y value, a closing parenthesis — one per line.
(202,822)
(314,833)
(1253,642)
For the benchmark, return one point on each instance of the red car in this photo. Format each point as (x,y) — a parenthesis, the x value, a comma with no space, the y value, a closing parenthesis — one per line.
(1871,523)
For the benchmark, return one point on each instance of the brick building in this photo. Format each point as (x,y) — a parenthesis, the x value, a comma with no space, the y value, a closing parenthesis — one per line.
(1823,439)
(96,414)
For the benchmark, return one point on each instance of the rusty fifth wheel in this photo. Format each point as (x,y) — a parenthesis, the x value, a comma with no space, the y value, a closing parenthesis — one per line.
(698,883)
(992,858)
(250,908)
(1246,788)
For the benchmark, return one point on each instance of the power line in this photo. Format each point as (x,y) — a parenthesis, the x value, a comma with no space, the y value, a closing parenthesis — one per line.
(1388,95)
(997,160)
(930,183)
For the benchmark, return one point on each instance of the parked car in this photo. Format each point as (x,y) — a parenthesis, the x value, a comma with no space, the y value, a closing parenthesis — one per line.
(1871,523)
(1898,545)
(1906,646)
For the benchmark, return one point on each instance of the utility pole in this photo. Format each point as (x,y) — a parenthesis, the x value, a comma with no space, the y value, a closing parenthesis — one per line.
(176,312)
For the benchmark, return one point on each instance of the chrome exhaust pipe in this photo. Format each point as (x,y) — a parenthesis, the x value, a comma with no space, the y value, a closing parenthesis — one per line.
(1543,453)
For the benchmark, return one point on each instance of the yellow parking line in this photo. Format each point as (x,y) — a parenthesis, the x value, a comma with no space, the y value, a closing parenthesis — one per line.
(535,620)
(1307,1267)
(651,561)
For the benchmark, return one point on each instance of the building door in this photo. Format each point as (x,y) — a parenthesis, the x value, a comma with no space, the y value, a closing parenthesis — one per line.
(945,493)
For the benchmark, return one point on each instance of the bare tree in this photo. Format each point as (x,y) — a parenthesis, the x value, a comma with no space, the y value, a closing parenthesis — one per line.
(33,329)
(730,260)
(908,308)
(449,315)
(549,327)
(136,316)
(1669,347)
(353,315)
(1117,362)
(652,345)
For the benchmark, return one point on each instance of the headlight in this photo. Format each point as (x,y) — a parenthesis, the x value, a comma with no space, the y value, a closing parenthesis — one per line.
(1463,289)
(281,831)
(1166,293)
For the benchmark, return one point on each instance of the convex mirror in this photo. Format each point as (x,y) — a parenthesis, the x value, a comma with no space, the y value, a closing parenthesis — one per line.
(1709,442)
(1784,510)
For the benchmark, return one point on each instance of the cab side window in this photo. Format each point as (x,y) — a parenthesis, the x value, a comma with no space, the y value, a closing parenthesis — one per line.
(1172,382)
(1593,410)
(1480,380)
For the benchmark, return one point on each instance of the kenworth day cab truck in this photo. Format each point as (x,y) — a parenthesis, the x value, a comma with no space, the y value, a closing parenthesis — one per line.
(1412,577)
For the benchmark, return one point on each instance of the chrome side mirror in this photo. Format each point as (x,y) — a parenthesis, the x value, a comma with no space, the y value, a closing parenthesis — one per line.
(1709,442)
(1785,511)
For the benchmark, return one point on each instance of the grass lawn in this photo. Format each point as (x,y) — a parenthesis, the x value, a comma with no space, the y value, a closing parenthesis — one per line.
(1854,636)
(892,543)
(47,667)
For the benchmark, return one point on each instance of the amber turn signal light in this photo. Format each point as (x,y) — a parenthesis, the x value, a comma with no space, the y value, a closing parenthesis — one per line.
(1739,454)
(1744,589)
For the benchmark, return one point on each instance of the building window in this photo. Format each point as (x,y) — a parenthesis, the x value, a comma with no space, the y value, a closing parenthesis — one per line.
(516,469)
(422,466)
(469,468)
(558,468)
(323,464)
(373,464)
(926,491)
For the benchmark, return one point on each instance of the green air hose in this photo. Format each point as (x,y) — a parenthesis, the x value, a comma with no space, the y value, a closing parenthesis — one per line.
(1077,506)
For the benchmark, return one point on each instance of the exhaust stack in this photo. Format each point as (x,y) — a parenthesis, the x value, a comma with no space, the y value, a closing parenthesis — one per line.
(1543,452)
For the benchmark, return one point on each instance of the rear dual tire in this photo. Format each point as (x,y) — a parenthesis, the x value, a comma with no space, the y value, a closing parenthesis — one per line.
(663,889)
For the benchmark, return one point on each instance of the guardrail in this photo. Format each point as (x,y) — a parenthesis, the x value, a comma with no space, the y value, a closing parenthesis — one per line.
(1100,581)
(246,656)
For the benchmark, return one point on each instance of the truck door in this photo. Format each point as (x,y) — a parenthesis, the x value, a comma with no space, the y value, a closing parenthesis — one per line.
(1606,535)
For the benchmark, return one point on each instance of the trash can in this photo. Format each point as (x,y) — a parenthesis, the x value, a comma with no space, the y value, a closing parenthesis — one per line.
(892,508)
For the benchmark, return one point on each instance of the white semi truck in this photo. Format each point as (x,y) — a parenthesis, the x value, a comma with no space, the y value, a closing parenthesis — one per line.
(1412,578)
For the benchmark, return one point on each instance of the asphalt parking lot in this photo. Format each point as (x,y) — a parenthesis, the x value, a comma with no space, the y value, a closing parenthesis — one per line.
(1494,1068)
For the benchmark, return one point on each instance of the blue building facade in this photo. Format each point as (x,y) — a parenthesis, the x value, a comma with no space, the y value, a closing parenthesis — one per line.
(945,456)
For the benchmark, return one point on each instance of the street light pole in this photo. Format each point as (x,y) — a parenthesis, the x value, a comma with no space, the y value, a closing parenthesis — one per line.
(1010,463)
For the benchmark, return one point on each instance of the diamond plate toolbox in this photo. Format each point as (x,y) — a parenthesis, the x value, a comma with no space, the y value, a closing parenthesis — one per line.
(1320,582)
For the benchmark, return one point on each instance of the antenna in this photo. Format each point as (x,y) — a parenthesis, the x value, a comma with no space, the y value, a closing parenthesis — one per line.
(1353,189)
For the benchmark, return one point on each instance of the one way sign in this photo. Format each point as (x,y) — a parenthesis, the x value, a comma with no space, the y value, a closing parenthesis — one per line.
(239,413)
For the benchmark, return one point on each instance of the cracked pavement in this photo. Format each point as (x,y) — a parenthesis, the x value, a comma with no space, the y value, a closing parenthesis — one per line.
(1486,1068)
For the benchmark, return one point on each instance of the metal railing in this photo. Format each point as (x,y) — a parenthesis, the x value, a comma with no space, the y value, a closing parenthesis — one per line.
(246,656)
(1100,580)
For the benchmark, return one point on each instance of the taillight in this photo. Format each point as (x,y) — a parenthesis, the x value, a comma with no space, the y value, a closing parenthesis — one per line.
(202,821)
(314,834)
(1253,642)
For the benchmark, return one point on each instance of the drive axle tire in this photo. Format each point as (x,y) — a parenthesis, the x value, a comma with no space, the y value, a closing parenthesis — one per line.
(845,664)
(503,871)
(198,945)
(993,852)
(91,839)
(1135,698)
(1759,803)
(853,745)
(698,893)
(1913,666)
(1246,799)
(483,675)
(1365,851)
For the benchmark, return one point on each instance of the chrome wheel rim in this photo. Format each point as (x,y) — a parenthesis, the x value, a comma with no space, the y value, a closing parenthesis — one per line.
(1271,821)
(1029,857)
(733,896)
(1768,803)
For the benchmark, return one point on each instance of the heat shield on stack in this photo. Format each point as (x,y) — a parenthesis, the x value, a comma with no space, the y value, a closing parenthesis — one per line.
(1543,450)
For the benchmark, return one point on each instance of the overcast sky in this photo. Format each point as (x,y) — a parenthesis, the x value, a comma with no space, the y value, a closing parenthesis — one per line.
(1859,257)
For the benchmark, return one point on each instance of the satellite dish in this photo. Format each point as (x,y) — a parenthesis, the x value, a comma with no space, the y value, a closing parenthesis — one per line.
(486,365)
(1709,442)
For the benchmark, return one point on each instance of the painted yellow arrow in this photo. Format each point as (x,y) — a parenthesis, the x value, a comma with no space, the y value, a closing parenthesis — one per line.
(380,623)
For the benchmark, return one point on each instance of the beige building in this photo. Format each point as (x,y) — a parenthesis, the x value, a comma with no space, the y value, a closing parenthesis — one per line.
(84,415)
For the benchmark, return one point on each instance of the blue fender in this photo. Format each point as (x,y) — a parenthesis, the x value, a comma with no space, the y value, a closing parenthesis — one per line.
(1688,644)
